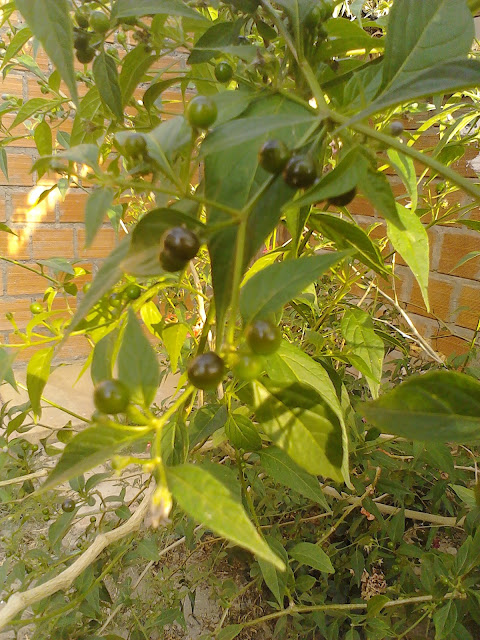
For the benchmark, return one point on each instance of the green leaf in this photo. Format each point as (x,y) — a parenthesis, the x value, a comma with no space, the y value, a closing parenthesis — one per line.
(234,183)
(284,470)
(137,363)
(134,66)
(311,555)
(146,237)
(92,447)
(470,256)
(126,9)
(357,329)
(6,229)
(102,358)
(105,75)
(43,138)
(32,107)
(417,38)
(347,174)
(405,168)
(98,203)
(58,265)
(348,235)
(83,154)
(7,358)
(203,497)
(467,496)
(59,528)
(291,364)
(275,580)
(376,604)
(220,34)
(152,318)
(300,422)
(442,406)
(205,422)
(413,245)
(242,433)
(445,620)
(237,132)
(173,337)
(376,187)
(108,275)
(270,289)
(16,43)
(447,77)
(50,22)
(38,370)
(229,632)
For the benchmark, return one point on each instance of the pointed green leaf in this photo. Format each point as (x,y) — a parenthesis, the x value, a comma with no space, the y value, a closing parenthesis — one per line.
(102,359)
(138,366)
(311,555)
(348,235)
(50,22)
(270,289)
(344,177)
(413,245)
(173,337)
(38,371)
(32,107)
(105,74)
(134,65)
(376,187)
(284,470)
(98,203)
(16,43)
(203,497)
(108,275)
(7,357)
(405,168)
(242,433)
(92,447)
(359,334)
(443,406)
(230,632)
(275,580)
(43,138)
(127,8)
(417,38)
(300,422)
(291,364)
(205,422)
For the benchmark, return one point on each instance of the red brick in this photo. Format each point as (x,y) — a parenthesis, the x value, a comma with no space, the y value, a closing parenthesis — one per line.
(21,281)
(49,243)
(454,247)
(101,247)
(24,208)
(470,299)
(20,310)
(3,208)
(450,345)
(19,167)
(12,85)
(73,208)
(439,293)
(17,247)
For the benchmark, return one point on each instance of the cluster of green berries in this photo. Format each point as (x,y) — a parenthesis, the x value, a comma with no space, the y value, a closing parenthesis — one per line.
(299,170)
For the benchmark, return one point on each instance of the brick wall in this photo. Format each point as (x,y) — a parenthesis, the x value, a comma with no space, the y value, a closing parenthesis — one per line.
(55,228)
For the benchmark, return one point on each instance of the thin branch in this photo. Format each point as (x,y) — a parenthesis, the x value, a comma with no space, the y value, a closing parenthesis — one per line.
(29,476)
(21,600)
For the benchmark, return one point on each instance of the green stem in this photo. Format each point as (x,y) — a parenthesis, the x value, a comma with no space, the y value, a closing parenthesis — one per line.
(237,278)
(345,607)
(24,266)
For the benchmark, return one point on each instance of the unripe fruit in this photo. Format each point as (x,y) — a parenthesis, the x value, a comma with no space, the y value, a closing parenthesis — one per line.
(396,128)
(206,371)
(223,72)
(36,308)
(344,198)
(99,22)
(111,396)
(263,337)
(68,505)
(246,366)
(201,112)
(84,56)
(300,172)
(273,156)
(181,243)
